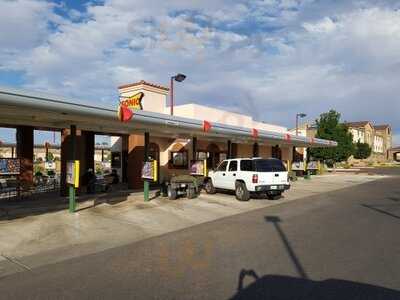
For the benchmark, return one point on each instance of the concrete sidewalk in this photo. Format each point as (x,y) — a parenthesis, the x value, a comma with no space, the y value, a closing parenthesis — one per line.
(32,241)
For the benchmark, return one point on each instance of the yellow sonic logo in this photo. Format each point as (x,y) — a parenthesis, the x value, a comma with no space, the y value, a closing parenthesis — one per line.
(133,102)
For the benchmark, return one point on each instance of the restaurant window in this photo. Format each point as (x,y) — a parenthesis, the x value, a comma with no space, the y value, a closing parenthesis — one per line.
(115,159)
(222,156)
(201,155)
(179,159)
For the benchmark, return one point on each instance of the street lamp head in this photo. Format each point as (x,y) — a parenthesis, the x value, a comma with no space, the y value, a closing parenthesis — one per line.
(179,77)
(302,115)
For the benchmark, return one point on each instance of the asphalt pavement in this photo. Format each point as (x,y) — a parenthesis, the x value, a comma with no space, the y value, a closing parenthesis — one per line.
(338,245)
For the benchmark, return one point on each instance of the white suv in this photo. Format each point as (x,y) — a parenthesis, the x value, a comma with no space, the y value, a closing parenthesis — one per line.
(245,175)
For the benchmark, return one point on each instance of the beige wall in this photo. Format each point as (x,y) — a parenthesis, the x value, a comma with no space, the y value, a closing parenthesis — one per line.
(387,138)
(200,112)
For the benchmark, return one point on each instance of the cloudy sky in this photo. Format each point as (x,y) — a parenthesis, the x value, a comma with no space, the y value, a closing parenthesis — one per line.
(269,59)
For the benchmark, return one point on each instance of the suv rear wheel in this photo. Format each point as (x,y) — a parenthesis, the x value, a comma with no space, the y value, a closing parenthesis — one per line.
(241,192)
(209,187)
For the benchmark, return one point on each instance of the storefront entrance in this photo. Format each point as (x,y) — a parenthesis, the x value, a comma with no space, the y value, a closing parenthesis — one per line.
(214,156)
(276,152)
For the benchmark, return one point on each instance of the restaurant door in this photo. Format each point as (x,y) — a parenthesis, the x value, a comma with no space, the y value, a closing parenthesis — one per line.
(276,152)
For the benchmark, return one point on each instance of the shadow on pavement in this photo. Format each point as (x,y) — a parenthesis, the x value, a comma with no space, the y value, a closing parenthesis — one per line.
(279,287)
(381,211)
(296,262)
(53,202)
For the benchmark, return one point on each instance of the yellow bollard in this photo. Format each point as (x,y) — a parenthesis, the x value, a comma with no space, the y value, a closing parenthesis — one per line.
(289,165)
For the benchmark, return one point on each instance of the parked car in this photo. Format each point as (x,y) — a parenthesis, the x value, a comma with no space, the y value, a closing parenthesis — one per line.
(249,175)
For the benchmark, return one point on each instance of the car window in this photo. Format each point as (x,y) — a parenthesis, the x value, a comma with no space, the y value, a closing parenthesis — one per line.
(269,165)
(246,165)
(233,166)
(222,166)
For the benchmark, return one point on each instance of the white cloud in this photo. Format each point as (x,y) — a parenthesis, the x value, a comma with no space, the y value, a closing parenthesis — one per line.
(324,26)
(28,18)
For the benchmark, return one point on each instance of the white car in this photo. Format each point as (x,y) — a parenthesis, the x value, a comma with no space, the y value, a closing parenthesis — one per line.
(249,175)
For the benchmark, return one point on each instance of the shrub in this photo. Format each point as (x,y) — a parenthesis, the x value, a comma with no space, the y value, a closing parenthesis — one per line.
(362,150)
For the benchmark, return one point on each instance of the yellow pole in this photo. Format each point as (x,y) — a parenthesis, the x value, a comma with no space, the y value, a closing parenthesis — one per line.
(155,165)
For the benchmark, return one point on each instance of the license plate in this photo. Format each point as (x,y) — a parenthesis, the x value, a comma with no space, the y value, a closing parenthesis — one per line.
(274,187)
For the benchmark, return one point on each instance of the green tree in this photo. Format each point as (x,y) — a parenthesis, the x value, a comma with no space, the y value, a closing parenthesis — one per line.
(330,128)
(362,150)
(50,156)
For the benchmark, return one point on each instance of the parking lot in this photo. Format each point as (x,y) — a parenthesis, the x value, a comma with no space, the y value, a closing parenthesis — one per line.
(31,240)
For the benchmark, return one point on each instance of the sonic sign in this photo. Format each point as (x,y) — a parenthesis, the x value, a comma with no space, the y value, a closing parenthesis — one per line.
(133,102)
(127,105)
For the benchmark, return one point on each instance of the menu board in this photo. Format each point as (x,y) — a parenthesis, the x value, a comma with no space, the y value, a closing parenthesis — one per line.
(149,170)
(10,166)
(198,167)
(298,166)
(312,165)
(73,173)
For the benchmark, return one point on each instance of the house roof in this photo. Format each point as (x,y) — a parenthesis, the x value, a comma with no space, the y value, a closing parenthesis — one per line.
(382,127)
(144,83)
(357,124)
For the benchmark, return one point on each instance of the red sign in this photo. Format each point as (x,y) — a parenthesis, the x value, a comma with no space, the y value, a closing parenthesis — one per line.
(206,126)
(124,113)
(288,137)
(254,133)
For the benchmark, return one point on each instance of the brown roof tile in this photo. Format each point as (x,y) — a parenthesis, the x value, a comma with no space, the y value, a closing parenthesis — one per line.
(381,127)
(356,124)
(145,83)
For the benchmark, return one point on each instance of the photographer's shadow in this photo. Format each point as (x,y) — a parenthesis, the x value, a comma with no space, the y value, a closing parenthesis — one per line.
(280,287)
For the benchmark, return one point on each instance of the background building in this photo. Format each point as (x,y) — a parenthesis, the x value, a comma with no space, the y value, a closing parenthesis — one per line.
(378,137)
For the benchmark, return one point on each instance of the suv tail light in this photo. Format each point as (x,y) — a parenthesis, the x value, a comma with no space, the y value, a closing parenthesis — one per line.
(255,178)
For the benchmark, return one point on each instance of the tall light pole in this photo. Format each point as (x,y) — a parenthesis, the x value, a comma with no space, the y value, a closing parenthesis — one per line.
(299,115)
(178,77)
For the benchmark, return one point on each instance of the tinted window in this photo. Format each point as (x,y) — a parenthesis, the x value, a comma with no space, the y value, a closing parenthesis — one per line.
(222,166)
(233,165)
(246,165)
(269,165)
